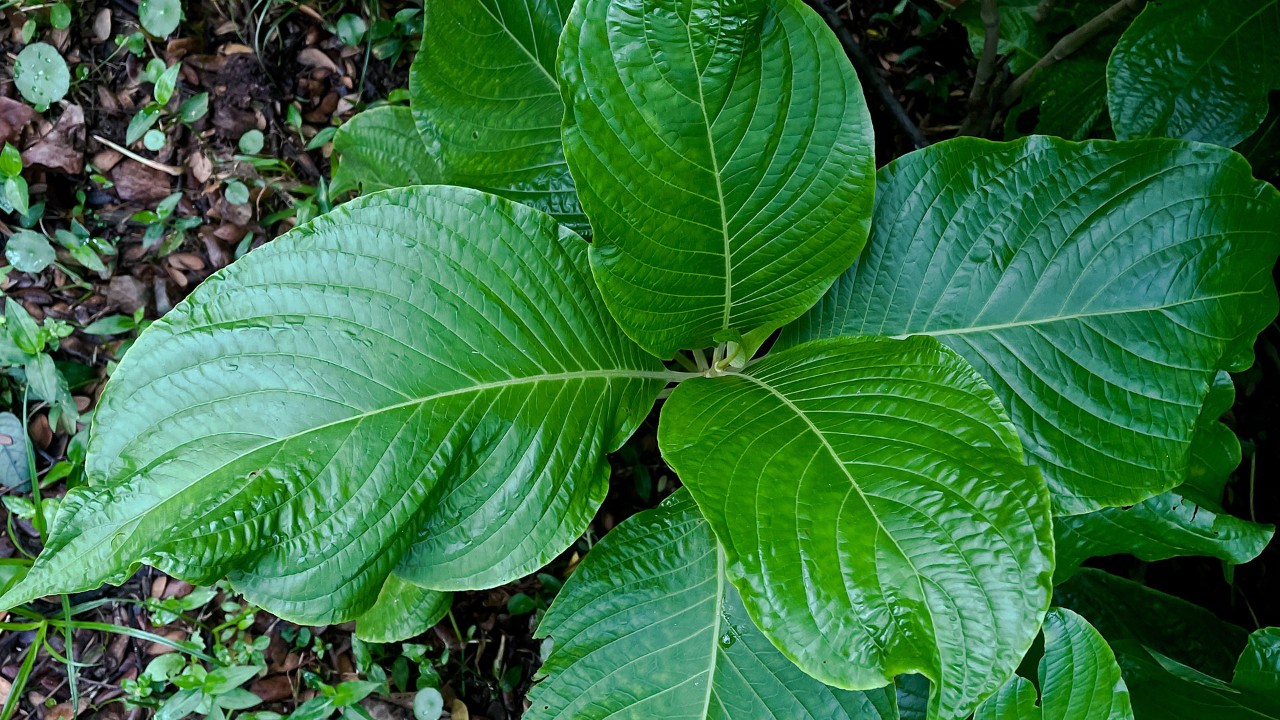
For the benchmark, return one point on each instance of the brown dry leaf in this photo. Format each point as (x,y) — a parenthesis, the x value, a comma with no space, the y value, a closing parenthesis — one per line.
(106,160)
(200,166)
(272,689)
(186,261)
(156,648)
(14,116)
(40,432)
(126,293)
(315,58)
(102,26)
(458,710)
(6,687)
(135,182)
(61,711)
(380,709)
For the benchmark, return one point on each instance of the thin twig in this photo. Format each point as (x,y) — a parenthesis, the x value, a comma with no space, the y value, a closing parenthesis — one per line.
(1070,43)
(868,73)
(169,169)
(980,109)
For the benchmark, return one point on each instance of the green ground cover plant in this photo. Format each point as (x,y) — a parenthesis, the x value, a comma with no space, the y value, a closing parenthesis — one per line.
(904,405)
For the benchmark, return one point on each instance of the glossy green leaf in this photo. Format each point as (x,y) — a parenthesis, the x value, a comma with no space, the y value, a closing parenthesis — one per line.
(1015,700)
(1079,678)
(1196,70)
(1099,287)
(401,611)
(1188,520)
(648,627)
(1258,669)
(380,149)
(1169,525)
(41,75)
(422,380)
(875,512)
(725,156)
(486,98)
(29,251)
(160,17)
(1124,610)
(15,471)
(1164,688)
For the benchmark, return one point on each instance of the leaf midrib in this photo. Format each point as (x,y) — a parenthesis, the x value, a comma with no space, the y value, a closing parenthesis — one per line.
(516,41)
(994,327)
(615,373)
(715,173)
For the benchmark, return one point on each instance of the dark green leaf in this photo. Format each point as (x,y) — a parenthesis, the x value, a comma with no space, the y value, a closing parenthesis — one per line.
(1196,70)
(224,679)
(1162,688)
(648,627)
(195,107)
(433,384)
(1099,288)
(1168,525)
(1258,669)
(60,16)
(724,154)
(379,149)
(401,611)
(1079,678)
(487,100)
(1124,610)
(140,123)
(874,510)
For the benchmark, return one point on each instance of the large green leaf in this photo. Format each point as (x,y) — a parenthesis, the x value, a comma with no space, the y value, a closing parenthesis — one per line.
(1258,669)
(1124,610)
(874,510)
(1099,287)
(1171,524)
(422,380)
(380,149)
(1079,678)
(1188,520)
(401,611)
(1196,70)
(486,98)
(1165,689)
(648,627)
(724,154)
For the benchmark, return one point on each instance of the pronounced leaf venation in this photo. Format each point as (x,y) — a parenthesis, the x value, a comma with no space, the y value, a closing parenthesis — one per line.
(369,393)
(875,512)
(486,100)
(1099,287)
(648,627)
(723,151)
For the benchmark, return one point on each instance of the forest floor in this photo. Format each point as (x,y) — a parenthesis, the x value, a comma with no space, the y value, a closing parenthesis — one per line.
(293,70)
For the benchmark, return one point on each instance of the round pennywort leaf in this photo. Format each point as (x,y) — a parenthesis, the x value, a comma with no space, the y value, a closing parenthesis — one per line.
(29,251)
(41,75)
(160,17)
